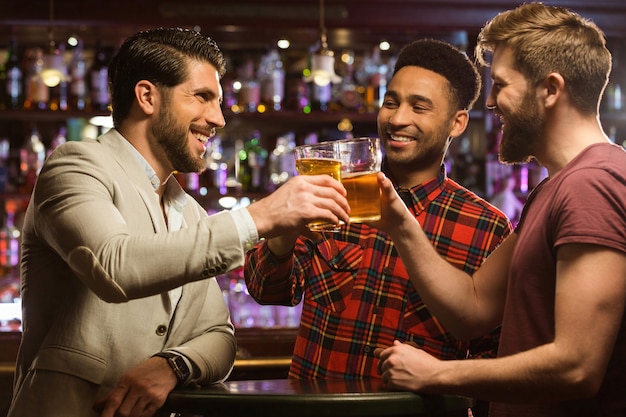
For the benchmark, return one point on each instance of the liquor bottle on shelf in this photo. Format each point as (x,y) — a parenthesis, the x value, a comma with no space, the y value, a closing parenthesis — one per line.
(78,79)
(243,309)
(612,101)
(250,91)
(58,139)
(282,162)
(59,94)
(347,95)
(98,79)
(297,96)
(215,175)
(231,99)
(12,77)
(377,82)
(5,148)
(243,176)
(271,75)
(252,161)
(372,74)
(9,239)
(37,92)
(32,157)
(321,96)
(246,312)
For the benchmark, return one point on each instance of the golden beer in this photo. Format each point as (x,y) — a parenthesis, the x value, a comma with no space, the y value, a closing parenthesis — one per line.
(318,166)
(363,195)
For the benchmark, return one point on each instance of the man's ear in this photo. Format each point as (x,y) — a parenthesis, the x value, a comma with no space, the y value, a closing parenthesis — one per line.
(554,86)
(459,123)
(147,95)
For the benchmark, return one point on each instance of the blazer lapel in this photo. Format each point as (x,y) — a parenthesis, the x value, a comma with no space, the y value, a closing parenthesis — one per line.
(130,164)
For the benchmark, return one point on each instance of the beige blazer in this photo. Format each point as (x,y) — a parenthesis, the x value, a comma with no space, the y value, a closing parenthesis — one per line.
(97,262)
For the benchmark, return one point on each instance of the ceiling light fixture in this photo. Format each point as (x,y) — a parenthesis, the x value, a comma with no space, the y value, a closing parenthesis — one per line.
(323,60)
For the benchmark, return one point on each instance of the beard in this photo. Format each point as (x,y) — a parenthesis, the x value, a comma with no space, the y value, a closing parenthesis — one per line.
(174,141)
(521,131)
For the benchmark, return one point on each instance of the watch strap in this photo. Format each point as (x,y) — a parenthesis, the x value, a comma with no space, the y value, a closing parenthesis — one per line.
(178,364)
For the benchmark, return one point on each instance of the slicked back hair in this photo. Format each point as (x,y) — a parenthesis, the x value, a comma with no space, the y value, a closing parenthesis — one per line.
(160,56)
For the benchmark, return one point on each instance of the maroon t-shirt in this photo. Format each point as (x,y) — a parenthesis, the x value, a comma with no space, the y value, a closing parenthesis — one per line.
(584,203)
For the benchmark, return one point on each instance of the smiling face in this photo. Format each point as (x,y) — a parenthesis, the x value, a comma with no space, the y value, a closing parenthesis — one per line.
(415,123)
(515,102)
(187,118)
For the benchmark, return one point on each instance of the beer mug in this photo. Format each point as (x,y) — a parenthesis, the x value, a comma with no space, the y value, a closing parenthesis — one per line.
(315,159)
(361,159)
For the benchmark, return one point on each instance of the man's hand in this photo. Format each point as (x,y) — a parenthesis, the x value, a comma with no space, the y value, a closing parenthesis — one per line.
(394,214)
(405,367)
(141,391)
(300,200)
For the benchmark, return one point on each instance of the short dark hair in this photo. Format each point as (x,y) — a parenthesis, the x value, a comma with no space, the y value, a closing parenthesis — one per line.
(446,60)
(160,56)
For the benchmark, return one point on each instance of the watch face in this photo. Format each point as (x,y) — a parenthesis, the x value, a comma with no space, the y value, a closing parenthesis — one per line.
(178,365)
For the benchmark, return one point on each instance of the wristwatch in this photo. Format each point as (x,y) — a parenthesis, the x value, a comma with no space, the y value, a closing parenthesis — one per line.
(178,365)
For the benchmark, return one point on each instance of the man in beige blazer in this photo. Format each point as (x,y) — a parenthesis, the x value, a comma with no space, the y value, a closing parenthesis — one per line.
(117,260)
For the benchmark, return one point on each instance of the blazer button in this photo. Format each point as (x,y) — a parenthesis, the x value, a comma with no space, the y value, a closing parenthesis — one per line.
(161,330)
(206,273)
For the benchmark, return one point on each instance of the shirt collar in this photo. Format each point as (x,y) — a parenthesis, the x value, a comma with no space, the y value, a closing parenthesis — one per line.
(173,193)
(150,172)
(418,197)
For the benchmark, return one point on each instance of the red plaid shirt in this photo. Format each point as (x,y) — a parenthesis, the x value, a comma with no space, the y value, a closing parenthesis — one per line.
(357,295)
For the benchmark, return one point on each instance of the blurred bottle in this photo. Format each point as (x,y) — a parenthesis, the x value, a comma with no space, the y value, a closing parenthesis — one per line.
(5,147)
(12,79)
(612,100)
(246,312)
(32,157)
(616,101)
(271,75)
(250,91)
(282,161)
(217,169)
(377,85)
(78,79)
(59,91)
(99,79)
(9,237)
(37,92)
(321,96)
(372,74)
(251,164)
(347,95)
(59,139)
(257,159)
(231,100)
(297,94)
(242,307)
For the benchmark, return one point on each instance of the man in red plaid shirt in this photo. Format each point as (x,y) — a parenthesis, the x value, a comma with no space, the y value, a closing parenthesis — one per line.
(357,295)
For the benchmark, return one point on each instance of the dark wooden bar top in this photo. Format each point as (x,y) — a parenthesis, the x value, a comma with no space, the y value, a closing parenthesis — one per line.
(311,398)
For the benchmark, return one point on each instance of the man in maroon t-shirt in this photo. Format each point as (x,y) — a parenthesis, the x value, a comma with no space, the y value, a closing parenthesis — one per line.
(558,283)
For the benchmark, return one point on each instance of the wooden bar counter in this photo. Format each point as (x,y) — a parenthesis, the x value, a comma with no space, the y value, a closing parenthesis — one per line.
(317,398)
